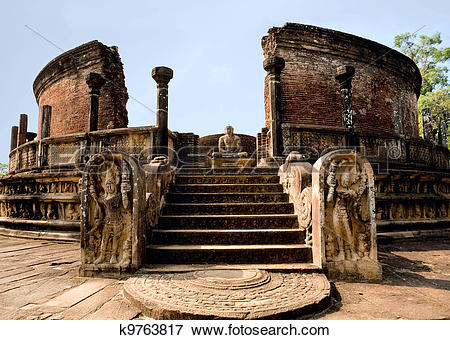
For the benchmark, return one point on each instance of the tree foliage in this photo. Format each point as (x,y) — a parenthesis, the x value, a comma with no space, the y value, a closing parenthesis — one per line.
(438,101)
(432,61)
(3,169)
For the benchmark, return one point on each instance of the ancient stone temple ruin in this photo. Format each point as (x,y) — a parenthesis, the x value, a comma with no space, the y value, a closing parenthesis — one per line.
(338,164)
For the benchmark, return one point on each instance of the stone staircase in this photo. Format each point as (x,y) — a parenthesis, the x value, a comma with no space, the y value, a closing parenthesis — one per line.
(231,216)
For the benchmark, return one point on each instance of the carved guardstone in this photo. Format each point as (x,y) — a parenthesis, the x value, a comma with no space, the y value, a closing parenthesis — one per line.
(112,206)
(343,217)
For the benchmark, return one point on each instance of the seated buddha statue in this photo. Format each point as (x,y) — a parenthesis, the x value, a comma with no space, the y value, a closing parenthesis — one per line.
(229,145)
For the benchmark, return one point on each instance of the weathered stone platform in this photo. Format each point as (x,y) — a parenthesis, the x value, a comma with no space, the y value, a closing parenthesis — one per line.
(228,294)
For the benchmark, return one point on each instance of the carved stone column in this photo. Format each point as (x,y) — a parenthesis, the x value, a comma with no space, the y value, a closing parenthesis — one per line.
(95,81)
(162,76)
(427,125)
(443,133)
(45,122)
(274,66)
(344,76)
(14,132)
(23,126)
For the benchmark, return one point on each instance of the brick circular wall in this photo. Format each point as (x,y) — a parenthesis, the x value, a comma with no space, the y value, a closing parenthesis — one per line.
(385,87)
(62,85)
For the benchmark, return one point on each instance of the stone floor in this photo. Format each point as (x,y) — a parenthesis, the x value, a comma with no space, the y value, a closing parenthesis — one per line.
(39,280)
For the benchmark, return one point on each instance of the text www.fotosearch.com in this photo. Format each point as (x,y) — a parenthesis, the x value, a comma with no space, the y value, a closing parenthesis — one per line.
(290,330)
(229,330)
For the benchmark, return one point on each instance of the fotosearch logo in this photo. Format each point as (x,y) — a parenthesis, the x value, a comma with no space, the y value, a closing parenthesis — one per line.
(201,156)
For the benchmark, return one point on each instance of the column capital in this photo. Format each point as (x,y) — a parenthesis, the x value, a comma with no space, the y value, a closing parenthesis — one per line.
(274,65)
(95,81)
(162,74)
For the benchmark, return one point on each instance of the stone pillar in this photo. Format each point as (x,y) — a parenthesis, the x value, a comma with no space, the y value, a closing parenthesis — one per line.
(427,125)
(23,126)
(45,122)
(443,133)
(14,132)
(274,66)
(344,76)
(162,76)
(95,81)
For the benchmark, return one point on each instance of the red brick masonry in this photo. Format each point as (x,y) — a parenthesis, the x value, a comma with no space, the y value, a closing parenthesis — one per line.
(385,86)
(62,85)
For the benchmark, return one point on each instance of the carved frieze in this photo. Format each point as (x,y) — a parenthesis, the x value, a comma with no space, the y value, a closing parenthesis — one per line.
(43,199)
(417,197)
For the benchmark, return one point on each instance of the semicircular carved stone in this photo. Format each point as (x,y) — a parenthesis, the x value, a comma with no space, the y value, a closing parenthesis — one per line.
(343,216)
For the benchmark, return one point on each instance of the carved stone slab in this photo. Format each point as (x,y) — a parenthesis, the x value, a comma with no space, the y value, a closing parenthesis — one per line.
(343,216)
(112,209)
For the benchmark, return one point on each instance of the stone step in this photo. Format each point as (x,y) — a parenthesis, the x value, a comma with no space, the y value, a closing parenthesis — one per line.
(227,197)
(245,254)
(232,188)
(226,179)
(226,171)
(231,236)
(227,208)
(278,267)
(263,221)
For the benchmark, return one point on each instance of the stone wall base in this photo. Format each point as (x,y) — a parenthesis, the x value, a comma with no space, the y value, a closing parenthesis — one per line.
(360,270)
(231,162)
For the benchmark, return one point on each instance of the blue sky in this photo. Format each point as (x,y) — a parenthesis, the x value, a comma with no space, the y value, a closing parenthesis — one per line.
(213,47)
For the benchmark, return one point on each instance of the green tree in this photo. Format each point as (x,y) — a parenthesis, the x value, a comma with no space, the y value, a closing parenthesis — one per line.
(3,169)
(439,103)
(431,59)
